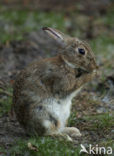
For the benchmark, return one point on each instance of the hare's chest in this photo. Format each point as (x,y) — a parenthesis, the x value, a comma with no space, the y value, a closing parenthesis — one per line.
(61,110)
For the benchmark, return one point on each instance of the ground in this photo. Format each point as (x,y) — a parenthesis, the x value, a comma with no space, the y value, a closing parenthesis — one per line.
(22,41)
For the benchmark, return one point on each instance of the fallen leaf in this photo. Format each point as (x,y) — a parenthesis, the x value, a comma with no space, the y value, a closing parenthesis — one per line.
(32,147)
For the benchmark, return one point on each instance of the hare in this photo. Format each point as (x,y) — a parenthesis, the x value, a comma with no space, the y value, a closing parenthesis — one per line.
(44,90)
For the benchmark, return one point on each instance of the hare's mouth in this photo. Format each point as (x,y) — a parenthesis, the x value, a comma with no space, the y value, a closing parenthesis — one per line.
(75,66)
(81,72)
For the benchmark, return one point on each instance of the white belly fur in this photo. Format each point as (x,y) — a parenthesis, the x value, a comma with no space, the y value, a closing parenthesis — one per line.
(61,110)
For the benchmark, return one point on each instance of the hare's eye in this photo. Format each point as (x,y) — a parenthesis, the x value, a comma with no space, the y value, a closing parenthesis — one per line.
(81,51)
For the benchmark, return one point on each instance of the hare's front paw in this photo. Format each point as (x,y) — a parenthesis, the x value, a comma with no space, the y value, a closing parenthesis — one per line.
(72,131)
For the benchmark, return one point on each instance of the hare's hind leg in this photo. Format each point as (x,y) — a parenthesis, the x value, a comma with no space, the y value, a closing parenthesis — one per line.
(67,133)
(53,130)
(72,131)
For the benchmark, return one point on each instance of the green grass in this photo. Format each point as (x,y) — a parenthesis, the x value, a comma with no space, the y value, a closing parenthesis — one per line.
(103,45)
(72,119)
(102,121)
(107,143)
(15,23)
(95,122)
(45,146)
(5,101)
(109,20)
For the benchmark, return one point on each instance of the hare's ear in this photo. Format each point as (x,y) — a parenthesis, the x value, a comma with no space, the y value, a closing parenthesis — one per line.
(56,35)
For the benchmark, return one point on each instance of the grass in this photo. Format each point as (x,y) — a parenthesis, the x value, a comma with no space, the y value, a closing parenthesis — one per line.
(5,101)
(72,119)
(94,122)
(103,45)
(15,23)
(43,146)
(107,143)
(102,121)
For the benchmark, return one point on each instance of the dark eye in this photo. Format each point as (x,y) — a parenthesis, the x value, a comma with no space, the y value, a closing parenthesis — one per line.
(81,51)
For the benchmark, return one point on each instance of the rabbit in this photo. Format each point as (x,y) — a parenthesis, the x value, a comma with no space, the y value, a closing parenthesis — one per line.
(44,90)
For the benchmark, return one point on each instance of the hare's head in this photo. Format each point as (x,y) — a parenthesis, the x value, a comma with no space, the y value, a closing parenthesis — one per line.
(76,53)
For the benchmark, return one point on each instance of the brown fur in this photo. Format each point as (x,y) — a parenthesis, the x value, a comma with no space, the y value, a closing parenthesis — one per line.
(51,78)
